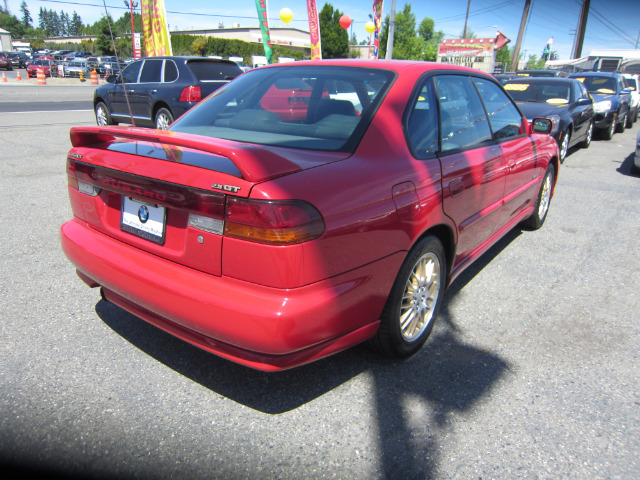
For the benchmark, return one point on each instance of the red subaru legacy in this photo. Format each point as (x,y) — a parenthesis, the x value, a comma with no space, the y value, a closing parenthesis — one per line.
(275,241)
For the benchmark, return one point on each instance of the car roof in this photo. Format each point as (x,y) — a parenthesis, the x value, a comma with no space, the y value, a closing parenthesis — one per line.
(594,74)
(542,80)
(394,65)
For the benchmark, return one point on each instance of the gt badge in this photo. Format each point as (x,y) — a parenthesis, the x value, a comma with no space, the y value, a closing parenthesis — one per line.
(226,188)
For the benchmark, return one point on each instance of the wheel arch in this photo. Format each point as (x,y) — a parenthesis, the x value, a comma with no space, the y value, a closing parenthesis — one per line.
(446,236)
(157,106)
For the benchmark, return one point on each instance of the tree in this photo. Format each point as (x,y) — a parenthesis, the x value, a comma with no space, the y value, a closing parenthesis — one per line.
(26,16)
(431,39)
(406,43)
(534,63)
(334,38)
(504,56)
(199,46)
(103,42)
(11,24)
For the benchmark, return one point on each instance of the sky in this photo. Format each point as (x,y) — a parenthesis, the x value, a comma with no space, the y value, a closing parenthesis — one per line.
(612,24)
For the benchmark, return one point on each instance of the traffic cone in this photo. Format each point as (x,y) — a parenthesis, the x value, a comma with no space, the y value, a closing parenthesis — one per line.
(94,77)
(4,79)
(42,79)
(18,77)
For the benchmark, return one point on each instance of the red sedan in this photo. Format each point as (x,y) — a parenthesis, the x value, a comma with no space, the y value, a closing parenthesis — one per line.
(274,243)
(49,68)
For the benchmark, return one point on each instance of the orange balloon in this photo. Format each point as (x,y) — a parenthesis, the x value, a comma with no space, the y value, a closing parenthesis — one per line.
(345,21)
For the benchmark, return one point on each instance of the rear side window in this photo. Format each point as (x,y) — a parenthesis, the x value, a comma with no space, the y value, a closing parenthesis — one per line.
(209,71)
(463,122)
(504,117)
(170,71)
(422,125)
(151,71)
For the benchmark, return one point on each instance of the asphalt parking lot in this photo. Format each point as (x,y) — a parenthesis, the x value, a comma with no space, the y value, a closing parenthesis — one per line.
(531,371)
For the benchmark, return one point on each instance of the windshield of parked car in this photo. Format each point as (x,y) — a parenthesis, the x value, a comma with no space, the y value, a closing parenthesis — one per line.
(308,107)
(597,84)
(539,92)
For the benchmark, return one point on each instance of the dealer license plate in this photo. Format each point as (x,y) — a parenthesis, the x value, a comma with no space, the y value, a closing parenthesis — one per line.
(143,219)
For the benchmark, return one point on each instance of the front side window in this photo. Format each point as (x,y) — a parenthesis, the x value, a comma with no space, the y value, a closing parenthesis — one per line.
(130,74)
(463,122)
(308,107)
(504,117)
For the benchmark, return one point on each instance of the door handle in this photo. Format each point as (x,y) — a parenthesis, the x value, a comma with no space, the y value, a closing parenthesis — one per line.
(131,91)
(154,91)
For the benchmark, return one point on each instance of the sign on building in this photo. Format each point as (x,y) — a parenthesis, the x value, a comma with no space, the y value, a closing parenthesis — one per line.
(478,53)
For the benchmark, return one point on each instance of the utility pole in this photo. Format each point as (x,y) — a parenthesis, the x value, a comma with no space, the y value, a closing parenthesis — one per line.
(523,25)
(466,19)
(392,27)
(582,26)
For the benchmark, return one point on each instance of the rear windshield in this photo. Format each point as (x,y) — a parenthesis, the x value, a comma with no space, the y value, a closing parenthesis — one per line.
(208,71)
(307,107)
(542,92)
(594,84)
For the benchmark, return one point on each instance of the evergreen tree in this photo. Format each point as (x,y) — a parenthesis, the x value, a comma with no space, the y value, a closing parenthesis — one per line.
(334,38)
(26,16)
(76,25)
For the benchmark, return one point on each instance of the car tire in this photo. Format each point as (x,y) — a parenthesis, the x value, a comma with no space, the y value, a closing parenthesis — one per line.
(164,118)
(586,143)
(412,307)
(103,117)
(608,133)
(536,220)
(564,144)
(622,124)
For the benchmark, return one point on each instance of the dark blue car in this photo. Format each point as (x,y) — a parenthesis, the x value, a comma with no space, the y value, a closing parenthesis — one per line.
(566,101)
(611,100)
(154,91)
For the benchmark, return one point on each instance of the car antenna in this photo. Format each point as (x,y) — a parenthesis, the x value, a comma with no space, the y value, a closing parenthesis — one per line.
(115,51)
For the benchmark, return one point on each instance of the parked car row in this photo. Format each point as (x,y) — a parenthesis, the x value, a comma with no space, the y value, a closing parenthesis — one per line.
(579,105)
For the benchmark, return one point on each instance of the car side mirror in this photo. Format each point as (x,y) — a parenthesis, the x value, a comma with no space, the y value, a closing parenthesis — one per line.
(113,79)
(541,125)
(585,101)
(626,91)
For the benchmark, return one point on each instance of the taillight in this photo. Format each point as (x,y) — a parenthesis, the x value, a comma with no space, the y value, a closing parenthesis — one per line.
(272,222)
(191,94)
(73,181)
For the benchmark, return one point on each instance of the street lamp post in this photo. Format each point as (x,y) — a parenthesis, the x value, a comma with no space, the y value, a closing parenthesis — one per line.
(132,5)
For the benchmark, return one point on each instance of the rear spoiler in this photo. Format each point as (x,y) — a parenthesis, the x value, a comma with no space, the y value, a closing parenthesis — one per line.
(255,163)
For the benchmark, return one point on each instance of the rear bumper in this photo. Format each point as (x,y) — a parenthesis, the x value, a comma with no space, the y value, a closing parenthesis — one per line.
(260,327)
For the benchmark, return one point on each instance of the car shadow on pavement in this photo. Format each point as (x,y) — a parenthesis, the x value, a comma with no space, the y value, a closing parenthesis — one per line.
(625,167)
(414,399)
(279,392)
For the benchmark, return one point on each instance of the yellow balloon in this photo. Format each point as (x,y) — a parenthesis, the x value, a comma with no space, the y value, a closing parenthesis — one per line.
(369,27)
(286,15)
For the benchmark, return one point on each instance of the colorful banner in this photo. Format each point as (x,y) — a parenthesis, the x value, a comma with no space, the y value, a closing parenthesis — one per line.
(154,28)
(377,19)
(261,6)
(314,30)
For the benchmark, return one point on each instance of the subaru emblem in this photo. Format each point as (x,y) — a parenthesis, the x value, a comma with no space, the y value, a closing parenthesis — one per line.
(143,213)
